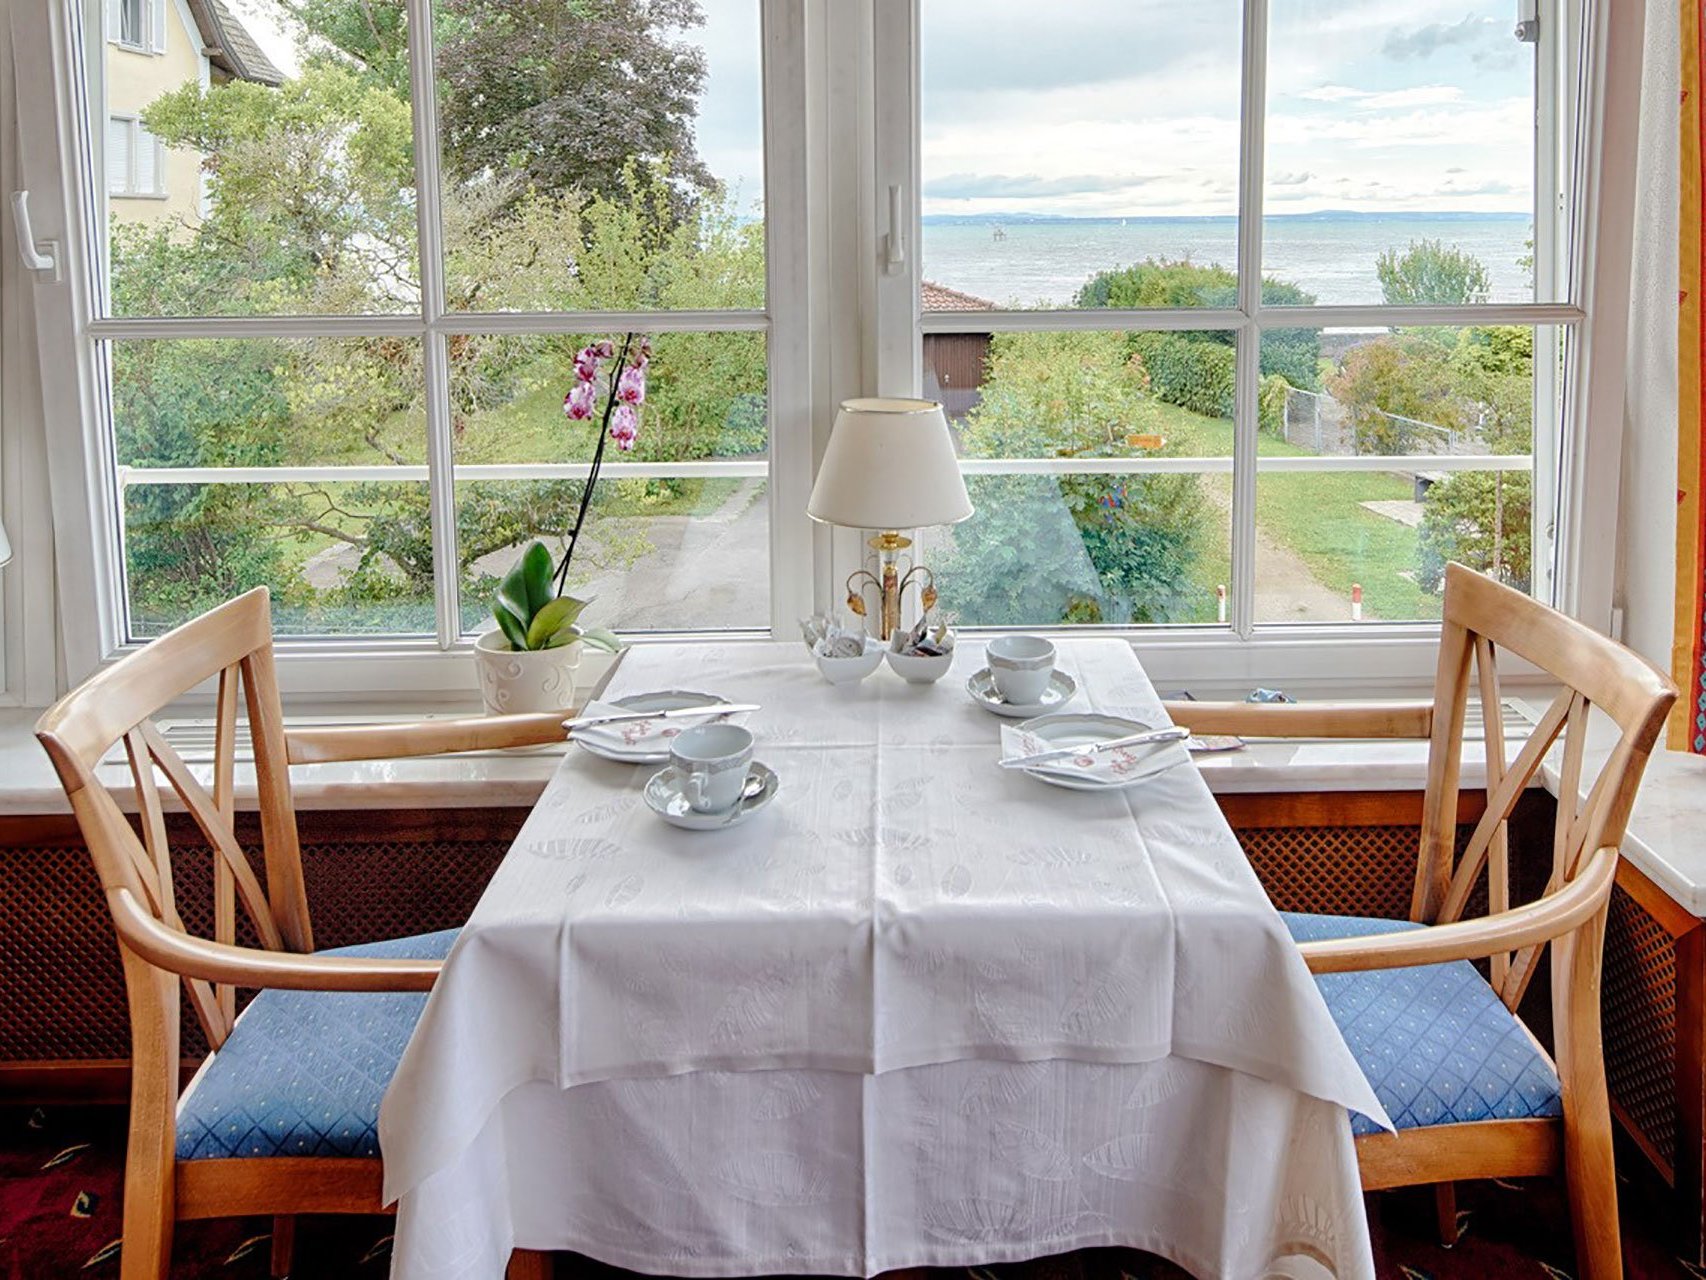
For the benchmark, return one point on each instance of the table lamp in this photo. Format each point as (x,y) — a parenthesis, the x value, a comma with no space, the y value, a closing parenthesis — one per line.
(890,466)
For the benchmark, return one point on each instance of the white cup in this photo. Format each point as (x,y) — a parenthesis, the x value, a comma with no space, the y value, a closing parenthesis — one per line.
(713,760)
(1021,667)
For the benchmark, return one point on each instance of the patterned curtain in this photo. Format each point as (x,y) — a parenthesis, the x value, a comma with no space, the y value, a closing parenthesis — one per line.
(1688,654)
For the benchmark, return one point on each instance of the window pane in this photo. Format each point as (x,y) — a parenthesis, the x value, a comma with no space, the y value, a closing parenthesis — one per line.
(1404,164)
(343,553)
(1458,406)
(1106,518)
(599,157)
(288,164)
(1061,145)
(677,536)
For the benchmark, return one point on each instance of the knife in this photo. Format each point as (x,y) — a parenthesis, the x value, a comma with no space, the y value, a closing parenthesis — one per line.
(1172,733)
(710,709)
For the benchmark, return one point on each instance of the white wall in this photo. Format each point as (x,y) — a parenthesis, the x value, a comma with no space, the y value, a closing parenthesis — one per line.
(1647,547)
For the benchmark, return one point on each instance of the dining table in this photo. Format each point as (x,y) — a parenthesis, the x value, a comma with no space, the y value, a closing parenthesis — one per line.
(920,1010)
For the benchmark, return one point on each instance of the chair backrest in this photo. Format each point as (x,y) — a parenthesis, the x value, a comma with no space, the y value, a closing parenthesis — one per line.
(232,643)
(1482,618)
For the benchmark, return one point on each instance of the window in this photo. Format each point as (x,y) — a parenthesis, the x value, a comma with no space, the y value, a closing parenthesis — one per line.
(1246,314)
(1242,329)
(136,161)
(339,370)
(138,24)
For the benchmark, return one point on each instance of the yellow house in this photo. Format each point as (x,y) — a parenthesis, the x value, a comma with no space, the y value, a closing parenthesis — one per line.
(154,47)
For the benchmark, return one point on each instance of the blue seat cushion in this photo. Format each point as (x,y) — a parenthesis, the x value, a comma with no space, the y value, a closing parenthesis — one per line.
(303,1072)
(1435,1041)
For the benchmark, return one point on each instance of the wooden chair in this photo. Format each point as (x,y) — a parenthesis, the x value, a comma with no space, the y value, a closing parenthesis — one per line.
(191,1157)
(1555,1116)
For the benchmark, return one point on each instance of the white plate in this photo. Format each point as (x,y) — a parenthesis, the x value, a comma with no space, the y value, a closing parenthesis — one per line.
(664,795)
(664,700)
(1081,729)
(1062,688)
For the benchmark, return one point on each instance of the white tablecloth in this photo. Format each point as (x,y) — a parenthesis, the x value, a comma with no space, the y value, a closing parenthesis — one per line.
(920,1011)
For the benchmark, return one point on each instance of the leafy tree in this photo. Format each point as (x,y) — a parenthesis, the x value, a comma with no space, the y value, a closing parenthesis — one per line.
(1295,354)
(1392,382)
(560,94)
(1068,548)
(1430,273)
(1485,518)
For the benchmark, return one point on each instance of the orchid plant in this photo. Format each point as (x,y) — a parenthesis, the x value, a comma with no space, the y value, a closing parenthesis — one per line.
(533,609)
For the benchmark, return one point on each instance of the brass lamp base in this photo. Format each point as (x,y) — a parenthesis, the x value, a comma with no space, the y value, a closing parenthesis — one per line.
(888,546)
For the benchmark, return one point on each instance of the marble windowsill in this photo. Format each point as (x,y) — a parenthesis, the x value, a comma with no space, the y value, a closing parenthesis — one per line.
(1664,839)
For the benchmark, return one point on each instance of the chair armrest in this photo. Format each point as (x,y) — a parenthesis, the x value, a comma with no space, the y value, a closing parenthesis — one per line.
(1529,925)
(1306,719)
(424,738)
(192,957)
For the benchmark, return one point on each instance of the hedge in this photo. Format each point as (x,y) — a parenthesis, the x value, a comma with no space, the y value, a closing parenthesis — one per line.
(1188,372)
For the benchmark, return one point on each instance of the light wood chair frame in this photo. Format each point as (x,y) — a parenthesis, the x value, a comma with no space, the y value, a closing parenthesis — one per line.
(162,961)
(1481,618)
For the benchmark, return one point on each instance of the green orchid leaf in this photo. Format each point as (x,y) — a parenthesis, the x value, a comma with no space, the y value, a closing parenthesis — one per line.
(599,638)
(511,626)
(537,570)
(554,617)
(512,596)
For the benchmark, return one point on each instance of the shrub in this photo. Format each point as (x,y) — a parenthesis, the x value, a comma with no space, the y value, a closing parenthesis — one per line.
(1271,402)
(1188,372)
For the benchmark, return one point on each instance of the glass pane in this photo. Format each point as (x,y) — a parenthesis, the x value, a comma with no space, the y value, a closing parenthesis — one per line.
(286,166)
(1112,521)
(1060,147)
(343,554)
(1403,158)
(677,534)
(601,157)
(1455,408)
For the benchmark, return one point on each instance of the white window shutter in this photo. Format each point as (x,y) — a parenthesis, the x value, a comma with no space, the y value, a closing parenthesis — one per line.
(157,20)
(118,156)
(115,19)
(150,164)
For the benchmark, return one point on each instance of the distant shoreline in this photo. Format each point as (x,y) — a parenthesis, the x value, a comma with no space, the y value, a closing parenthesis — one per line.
(1228,219)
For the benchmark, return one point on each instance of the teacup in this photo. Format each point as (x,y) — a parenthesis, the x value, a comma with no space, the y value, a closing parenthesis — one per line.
(1021,667)
(713,761)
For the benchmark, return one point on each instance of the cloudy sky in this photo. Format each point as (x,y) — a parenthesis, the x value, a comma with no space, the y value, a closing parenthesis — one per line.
(1130,107)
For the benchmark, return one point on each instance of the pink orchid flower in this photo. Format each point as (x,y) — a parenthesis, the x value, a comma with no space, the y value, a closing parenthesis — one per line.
(624,427)
(631,386)
(586,364)
(578,404)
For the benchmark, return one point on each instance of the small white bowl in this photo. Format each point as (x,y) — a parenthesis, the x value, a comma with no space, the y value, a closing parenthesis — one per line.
(915,668)
(850,670)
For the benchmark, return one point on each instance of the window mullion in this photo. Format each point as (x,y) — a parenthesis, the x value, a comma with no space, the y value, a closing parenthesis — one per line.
(1247,370)
(435,356)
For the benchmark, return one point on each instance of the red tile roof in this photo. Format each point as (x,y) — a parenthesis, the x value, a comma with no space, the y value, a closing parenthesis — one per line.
(938,297)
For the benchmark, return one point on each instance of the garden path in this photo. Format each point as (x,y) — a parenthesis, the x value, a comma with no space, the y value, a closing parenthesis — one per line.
(1286,590)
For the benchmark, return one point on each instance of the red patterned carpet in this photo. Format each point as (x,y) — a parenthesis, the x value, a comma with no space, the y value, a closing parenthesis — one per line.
(60,1172)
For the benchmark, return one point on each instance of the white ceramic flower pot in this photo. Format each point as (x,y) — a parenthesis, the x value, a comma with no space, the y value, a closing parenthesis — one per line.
(515,681)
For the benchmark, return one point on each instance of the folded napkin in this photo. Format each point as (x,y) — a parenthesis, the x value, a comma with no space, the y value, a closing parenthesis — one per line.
(1122,764)
(650,735)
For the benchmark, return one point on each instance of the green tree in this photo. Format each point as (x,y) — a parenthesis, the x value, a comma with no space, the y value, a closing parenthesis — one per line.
(560,95)
(1069,548)
(1294,354)
(1389,385)
(1485,518)
(1431,273)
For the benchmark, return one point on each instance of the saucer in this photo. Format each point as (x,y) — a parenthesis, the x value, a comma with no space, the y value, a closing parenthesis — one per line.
(1134,764)
(664,700)
(1062,688)
(663,794)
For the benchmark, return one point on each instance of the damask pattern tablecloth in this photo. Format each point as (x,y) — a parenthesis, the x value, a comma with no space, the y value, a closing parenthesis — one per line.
(920,1011)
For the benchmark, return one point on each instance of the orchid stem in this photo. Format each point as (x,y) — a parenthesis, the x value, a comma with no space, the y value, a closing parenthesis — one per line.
(619,364)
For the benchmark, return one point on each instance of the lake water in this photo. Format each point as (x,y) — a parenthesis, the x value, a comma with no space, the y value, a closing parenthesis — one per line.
(1041,264)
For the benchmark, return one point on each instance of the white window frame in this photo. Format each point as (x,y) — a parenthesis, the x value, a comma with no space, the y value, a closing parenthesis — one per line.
(138,137)
(151,14)
(439,663)
(1312,658)
(839,129)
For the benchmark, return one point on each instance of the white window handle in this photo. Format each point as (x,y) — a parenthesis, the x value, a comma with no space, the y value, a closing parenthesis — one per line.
(894,244)
(37,257)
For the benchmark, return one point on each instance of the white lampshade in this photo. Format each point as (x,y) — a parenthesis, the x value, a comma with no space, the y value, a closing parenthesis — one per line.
(890,465)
